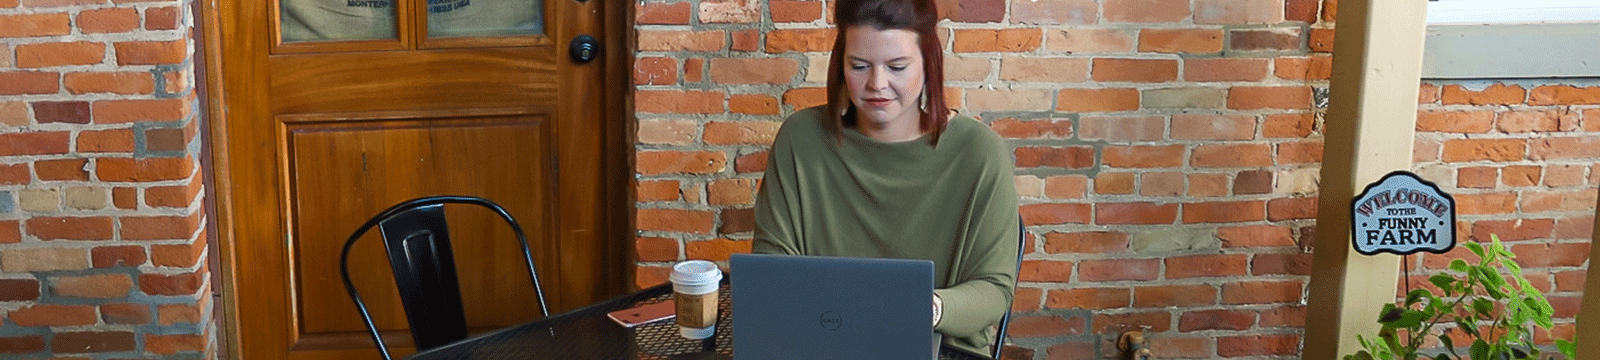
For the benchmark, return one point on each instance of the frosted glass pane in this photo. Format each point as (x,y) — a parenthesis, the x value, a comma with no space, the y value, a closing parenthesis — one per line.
(458,18)
(333,20)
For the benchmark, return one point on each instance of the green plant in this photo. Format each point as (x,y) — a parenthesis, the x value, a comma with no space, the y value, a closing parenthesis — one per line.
(1478,301)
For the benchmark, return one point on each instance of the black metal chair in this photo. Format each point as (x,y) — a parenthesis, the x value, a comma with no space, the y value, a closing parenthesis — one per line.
(417,240)
(1000,336)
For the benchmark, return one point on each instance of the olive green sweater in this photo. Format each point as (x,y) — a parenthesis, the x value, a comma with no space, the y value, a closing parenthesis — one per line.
(954,204)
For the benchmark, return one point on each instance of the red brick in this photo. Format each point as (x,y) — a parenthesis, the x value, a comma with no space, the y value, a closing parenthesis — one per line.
(677,13)
(1044,326)
(1497,150)
(754,71)
(1089,40)
(172,196)
(1213,127)
(655,249)
(737,221)
(1564,175)
(668,40)
(1536,121)
(140,110)
(680,101)
(1026,299)
(731,192)
(802,98)
(68,112)
(1514,230)
(1520,175)
(162,18)
(1271,39)
(680,162)
(1180,40)
(1055,157)
(160,227)
(126,83)
(1232,155)
(784,11)
(29,83)
(1225,69)
(655,71)
(143,170)
(1153,322)
(1066,187)
(92,342)
(800,40)
(1097,100)
(103,286)
(34,143)
(32,25)
(753,104)
(1114,183)
(113,256)
(18,290)
(990,40)
(167,139)
(172,285)
(1488,203)
(71,228)
(1292,208)
(751,163)
(106,141)
(1301,10)
(1058,12)
(648,276)
(1034,69)
(1300,152)
(1253,182)
(1238,12)
(109,20)
(746,40)
(10,233)
(1448,121)
(1216,320)
(715,249)
(1013,128)
(177,256)
(151,52)
(1569,147)
(740,132)
(1134,70)
(1125,157)
(173,344)
(673,220)
(1159,184)
(1055,214)
(1193,266)
(1174,295)
(62,170)
(1258,345)
(1551,255)
(1099,242)
(1269,97)
(1261,292)
(53,315)
(656,190)
(1564,95)
(1497,94)
(1122,128)
(21,344)
(1281,264)
(125,314)
(1321,40)
(1135,213)
(1088,298)
(1314,68)
(1119,270)
(1146,11)
(1045,271)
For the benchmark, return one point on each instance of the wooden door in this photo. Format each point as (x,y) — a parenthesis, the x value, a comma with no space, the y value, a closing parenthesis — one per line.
(325,112)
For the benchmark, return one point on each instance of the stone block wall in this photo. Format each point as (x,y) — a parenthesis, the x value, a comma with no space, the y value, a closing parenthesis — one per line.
(102,252)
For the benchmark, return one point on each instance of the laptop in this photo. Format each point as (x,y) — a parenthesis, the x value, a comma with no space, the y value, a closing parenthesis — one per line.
(816,307)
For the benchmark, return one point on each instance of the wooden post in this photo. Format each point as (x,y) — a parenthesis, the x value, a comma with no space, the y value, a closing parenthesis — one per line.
(1589,315)
(1369,131)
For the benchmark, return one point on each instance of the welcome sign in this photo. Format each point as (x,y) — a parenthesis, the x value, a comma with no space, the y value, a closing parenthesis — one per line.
(1403,214)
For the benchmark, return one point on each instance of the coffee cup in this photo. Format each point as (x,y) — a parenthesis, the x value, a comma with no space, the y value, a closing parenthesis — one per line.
(694,288)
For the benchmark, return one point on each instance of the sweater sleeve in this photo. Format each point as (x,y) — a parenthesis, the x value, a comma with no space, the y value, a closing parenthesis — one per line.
(776,229)
(986,266)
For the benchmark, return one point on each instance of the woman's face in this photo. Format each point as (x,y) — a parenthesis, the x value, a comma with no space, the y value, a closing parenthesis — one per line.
(883,72)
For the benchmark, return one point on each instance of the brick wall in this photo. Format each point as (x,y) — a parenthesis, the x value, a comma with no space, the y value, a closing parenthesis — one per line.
(1167,155)
(101,247)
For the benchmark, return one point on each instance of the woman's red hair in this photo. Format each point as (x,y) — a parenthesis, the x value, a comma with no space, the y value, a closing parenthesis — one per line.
(918,16)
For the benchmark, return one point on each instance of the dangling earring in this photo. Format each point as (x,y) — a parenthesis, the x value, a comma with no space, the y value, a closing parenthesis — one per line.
(922,100)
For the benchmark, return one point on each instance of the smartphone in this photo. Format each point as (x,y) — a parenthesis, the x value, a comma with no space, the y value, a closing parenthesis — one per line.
(644,314)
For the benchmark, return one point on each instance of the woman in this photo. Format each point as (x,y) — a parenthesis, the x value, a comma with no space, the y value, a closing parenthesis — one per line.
(883,170)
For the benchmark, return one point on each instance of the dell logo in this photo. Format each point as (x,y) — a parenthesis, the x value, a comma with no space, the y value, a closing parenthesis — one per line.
(831,320)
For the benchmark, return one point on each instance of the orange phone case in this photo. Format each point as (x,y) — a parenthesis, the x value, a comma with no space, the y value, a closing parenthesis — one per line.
(644,314)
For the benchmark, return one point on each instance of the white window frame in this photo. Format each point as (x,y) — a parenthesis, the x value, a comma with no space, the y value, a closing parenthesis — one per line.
(1478,39)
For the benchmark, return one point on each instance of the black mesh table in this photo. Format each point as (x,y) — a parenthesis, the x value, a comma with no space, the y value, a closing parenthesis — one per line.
(587,333)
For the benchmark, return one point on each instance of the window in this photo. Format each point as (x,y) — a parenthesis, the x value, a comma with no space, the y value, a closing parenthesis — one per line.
(1511,11)
(1484,39)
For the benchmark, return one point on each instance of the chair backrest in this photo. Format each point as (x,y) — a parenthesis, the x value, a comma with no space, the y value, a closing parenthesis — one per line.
(1000,335)
(417,241)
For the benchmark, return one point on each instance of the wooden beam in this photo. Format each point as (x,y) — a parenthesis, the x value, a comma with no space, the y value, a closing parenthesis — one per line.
(1589,314)
(1368,132)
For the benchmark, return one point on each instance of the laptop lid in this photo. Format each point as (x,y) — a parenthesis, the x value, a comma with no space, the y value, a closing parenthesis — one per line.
(814,307)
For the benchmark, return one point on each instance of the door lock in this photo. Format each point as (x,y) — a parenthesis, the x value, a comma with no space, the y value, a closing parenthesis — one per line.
(583,49)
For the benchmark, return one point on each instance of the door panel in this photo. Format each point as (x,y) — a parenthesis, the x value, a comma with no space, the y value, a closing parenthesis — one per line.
(313,134)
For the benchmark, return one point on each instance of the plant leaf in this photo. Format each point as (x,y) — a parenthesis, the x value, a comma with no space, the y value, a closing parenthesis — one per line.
(1409,319)
(1480,350)
(1483,307)
(1444,282)
(1477,249)
(1449,345)
(1567,348)
(1458,265)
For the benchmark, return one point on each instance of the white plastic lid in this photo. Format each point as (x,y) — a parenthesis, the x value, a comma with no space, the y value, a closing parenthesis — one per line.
(695,272)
